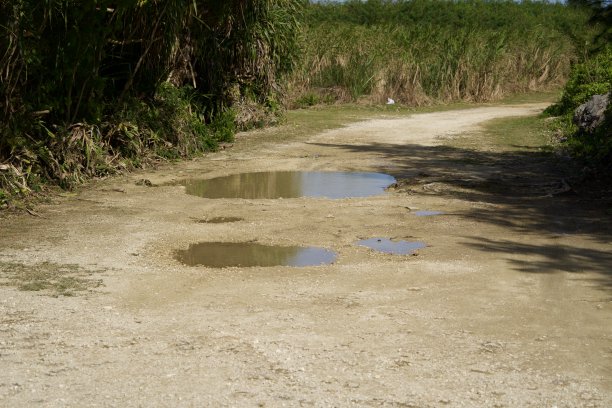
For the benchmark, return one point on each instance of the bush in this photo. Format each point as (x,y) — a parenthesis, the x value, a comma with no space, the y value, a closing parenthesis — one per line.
(592,77)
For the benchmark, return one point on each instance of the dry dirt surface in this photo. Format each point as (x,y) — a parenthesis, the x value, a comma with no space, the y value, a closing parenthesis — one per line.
(508,305)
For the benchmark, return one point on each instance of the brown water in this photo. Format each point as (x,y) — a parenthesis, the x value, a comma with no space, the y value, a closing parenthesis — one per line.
(392,247)
(291,184)
(247,254)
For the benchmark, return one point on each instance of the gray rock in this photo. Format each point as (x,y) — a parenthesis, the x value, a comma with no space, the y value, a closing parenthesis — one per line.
(591,114)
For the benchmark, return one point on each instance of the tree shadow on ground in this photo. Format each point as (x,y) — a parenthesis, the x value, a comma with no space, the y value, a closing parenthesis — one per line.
(520,188)
(552,258)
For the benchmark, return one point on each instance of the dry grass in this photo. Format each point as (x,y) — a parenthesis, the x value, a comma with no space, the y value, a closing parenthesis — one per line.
(424,52)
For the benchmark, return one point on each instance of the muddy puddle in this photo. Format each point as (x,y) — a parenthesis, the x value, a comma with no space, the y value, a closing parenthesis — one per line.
(291,184)
(427,213)
(248,254)
(389,246)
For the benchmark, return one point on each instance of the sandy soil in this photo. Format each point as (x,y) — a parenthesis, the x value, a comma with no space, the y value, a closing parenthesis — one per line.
(508,306)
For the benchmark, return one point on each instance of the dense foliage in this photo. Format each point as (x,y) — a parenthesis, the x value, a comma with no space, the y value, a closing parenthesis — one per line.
(90,87)
(591,77)
(421,51)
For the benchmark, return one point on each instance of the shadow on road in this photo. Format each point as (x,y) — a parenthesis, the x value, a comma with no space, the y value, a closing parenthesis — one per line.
(522,189)
(551,258)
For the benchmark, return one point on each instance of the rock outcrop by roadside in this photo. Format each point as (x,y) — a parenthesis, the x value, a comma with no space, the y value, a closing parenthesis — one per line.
(592,113)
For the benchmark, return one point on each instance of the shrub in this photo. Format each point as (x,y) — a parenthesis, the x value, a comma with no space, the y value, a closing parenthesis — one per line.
(592,77)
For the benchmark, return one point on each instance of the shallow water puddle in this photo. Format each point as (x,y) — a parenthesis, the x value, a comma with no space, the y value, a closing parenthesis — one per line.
(392,247)
(427,213)
(247,254)
(291,184)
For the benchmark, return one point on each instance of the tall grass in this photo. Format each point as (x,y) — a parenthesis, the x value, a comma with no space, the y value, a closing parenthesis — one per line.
(421,51)
(91,87)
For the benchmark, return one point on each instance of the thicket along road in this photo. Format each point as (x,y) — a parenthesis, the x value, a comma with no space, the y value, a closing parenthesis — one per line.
(507,305)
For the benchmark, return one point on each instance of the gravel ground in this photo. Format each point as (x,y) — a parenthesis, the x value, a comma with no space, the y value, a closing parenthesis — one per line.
(508,305)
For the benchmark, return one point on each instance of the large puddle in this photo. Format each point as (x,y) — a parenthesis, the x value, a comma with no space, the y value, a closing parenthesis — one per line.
(291,184)
(247,254)
(392,247)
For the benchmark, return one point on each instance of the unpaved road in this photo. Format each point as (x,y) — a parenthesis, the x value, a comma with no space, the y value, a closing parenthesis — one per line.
(508,306)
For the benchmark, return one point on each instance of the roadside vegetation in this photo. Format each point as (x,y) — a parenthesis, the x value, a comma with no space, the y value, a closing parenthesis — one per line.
(422,52)
(590,146)
(592,149)
(91,88)
(98,87)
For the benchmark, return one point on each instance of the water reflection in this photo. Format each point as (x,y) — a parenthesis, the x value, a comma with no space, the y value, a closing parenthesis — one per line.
(427,213)
(392,247)
(291,184)
(247,254)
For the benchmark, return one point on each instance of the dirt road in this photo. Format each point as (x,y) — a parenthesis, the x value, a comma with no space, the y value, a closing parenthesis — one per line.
(508,305)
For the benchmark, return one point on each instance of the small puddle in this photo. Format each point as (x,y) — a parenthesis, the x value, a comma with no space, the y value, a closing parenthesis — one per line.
(291,184)
(220,220)
(392,247)
(427,213)
(247,254)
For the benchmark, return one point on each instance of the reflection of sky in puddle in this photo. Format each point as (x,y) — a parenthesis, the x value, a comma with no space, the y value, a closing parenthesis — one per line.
(392,247)
(247,254)
(291,184)
(427,213)
(311,256)
(343,185)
